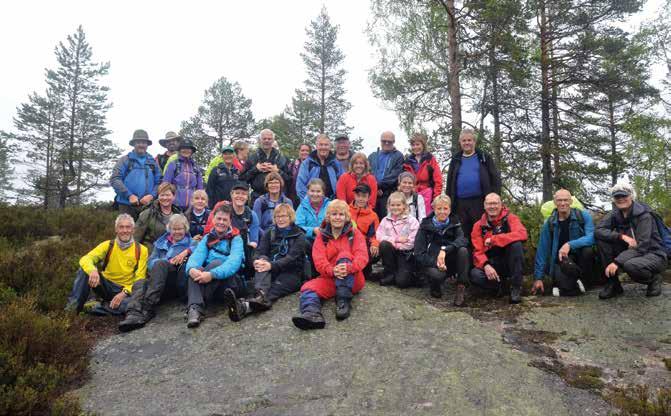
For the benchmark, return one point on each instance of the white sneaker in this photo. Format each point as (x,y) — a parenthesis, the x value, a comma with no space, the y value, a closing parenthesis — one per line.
(581,286)
(555,292)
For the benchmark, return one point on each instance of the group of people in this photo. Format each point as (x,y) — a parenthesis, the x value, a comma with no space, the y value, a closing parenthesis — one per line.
(255,226)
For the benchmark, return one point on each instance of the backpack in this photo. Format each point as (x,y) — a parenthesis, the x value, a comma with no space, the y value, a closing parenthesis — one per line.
(414,202)
(178,168)
(152,167)
(500,229)
(664,232)
(578,215)
(108,254)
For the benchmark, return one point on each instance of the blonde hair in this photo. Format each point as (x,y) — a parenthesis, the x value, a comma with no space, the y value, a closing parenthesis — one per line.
(419,137)
(442,199)
(398,196)
(201,193)
(409,175)
(286,208)
(357,156)
(337,205)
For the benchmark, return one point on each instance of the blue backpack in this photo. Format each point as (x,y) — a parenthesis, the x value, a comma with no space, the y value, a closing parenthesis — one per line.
(664,233)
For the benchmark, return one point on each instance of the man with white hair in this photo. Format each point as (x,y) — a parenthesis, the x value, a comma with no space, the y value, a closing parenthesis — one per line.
(629,240)
(266,159)
(385,164)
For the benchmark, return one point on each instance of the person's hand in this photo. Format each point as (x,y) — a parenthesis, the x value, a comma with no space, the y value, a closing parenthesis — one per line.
(563,251)
(402,239)
(631,242)
(180,258)
(611,270)
(197,238)
(491,273)
(116,300)
(133,200)
(94,278)
(195,274)
(374,251)
(273,168)
(440,261)
(205,277)
(315,230)
(379,193)
(488,242)
(262,265)
(146,200)
(538,286)
(260,167)
(252,244)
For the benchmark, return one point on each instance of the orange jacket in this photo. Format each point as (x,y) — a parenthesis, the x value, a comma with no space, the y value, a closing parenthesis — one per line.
(501,234)
(366,221)
(347,183)
(326,251)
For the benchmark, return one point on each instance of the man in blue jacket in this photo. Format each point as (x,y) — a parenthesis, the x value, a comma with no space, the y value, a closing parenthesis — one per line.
(565,248)
(213,267)
(136,176)
(386,164)
(322,164)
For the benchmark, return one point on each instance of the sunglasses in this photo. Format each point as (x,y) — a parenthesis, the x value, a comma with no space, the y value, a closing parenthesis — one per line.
(387,142)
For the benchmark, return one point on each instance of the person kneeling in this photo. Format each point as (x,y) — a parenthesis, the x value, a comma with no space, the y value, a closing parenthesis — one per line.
(213,267)
(340,255)
(122,269)
(166,268)
(497,249)
(440,249)
(279,264)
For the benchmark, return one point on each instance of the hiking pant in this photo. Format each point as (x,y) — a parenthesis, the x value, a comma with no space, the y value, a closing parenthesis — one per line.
(381,203)
(325,287)
(164,279)
(397,262)
(576,266)
(106,290)
(278,285)
(200,294)
(457,261)
(508,263)
(469,211)
(641,269)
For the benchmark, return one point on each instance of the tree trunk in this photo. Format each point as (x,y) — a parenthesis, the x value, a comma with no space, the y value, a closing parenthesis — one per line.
(613,143)
(454,69)
(546,155)
(495,105)
(555,114)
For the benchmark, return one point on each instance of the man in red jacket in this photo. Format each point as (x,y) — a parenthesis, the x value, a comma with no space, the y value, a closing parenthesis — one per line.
(497,248)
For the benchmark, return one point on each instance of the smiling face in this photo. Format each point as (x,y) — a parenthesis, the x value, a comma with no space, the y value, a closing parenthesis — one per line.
(316,194)
(177,231)
(562,200)
(274,187)
(267,140)
(140,147)
(222,222)
(493,206)
(239,197)
(467,143)
(442,211)
(407,186)
(361,200)
(166,198)
(337,219)
(186,153)
(358,166)
(124,230)
(417,147)
(342,147)
(396,207)
(323,147)
(172,145)
(228,157)
(199,202)
(387,141)
(623,203)
(282,219)
(303,152)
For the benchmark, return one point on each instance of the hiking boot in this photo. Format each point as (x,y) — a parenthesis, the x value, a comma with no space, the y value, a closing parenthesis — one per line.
(611,289)
(309,320)
(133,321)
(460,295)
(194,316)
(236,308)
(515,295)
(387,280)
(343,308)
(654,287)
(259,302)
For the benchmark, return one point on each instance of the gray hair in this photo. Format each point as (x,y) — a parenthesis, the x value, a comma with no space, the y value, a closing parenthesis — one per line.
(123,217)
(468,132)
(266,131)
(178,219)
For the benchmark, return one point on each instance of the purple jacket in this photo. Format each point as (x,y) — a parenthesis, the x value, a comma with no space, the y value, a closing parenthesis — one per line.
(187,177)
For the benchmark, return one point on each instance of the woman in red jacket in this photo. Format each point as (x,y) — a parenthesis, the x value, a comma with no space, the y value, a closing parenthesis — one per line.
(425,167)
(340,255)
(359,172)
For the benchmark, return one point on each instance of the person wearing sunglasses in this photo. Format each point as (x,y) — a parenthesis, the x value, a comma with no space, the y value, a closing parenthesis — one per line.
(386,164)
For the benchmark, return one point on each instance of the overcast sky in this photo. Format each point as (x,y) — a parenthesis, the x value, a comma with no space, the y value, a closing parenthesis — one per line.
(165,54)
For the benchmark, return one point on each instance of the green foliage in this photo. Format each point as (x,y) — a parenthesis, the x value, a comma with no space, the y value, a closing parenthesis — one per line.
(640,401)
(7,149)
(531,217)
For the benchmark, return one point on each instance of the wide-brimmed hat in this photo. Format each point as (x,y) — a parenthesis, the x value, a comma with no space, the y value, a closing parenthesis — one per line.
(187,144)
(139,135)
(169,136)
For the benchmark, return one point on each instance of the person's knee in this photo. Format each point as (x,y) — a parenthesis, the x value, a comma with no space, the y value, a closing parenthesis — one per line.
(404,278)
(515,249)
(386,246)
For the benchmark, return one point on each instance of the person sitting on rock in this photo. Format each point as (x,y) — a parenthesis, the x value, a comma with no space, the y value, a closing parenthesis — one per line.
(113,270)
(213,267)
(396,234)
(279,264)
(340,255)
(628,240)
(367,222)
(197,214)
(498,254)
(441,250)
(166,274)
(153,219)
(265,204)
(565,248)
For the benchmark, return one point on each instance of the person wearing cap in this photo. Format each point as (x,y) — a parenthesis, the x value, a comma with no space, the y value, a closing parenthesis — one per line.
(629,241)
(358,173)
(222,177)
(366,221)
(171,143)
(322,164)
(565,248)
(386,164)
(217,160)
(135,177)
(185,174)
(343,152)
(266,159)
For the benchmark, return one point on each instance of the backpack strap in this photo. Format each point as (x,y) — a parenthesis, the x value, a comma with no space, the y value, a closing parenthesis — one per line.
(414,202)
(138,250)
(432,183)
(108,254)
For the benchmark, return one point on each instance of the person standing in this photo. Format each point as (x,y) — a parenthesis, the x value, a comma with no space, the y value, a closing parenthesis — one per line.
(359,173)
(386,164)
(185,174)
(304,151)
(471,176)
(425,167)
(171,143)
(343,151)
(222,178)
(321,164)
(266,159)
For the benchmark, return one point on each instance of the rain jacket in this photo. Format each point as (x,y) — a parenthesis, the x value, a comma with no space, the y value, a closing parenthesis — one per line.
(264,208)
(351,244)
(421,171)
(366,221)
(430,239)
(307,219)
(392,228)
(505,229)
(228,249)
(131,176)
(347,183)
(165,249)
(186,176)
(310,169)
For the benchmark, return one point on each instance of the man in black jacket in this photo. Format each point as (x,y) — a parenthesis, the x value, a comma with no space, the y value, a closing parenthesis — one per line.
(266,159)
(471,176)
(628,240)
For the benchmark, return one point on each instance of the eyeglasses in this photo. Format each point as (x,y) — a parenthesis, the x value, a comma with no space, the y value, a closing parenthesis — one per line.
(283,216)
(387,142)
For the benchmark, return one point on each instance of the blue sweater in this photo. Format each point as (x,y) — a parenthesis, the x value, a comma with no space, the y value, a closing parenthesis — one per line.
(307,219)
(468,178)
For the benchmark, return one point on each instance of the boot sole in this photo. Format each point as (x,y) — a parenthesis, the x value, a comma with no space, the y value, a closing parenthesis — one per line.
(234,313)
(306,324)
(130,327)
(192,324)
(341,317)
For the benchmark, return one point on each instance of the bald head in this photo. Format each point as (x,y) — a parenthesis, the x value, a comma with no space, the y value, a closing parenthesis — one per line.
(562,200)
(493,205)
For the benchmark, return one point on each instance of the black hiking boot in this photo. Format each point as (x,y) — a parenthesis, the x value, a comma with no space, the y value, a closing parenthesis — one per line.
(611,289)
(654,287)
(343,308)
(134,320)
(194,316)
(236,308)
(309,320)
(387,280)
(515,295)
(459,297)
(259,302)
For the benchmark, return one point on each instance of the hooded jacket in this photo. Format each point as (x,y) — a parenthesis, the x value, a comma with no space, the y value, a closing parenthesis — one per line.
(220,182)
(255,178)
(264,208)
(133,175)
(308,219)
(149,226)
(311,168)
(548,241)
(421,171)
(165,248)
(247,223)
(393,168)
(640,225)
(504,230)
(197,223)
(366,222)
(391,229)
(186,176)
(430,239)
(286,253)
(350,244)
(347,183)
(490,177)
(228,249)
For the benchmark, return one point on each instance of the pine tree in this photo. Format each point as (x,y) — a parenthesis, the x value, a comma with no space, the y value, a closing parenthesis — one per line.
(325,84)
(7,151)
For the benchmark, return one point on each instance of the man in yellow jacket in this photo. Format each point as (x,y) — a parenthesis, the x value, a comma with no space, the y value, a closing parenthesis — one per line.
(112,270)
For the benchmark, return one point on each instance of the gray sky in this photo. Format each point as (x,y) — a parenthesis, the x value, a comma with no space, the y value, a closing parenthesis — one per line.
(165,54)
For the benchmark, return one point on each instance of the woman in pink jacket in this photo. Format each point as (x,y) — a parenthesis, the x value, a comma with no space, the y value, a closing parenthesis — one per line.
(396,235)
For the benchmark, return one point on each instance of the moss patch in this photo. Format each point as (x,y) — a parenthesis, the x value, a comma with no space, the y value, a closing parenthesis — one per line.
(640,401)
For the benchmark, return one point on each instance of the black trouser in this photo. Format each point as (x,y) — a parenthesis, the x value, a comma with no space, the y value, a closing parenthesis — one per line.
(469,211)
(278,285)
(507,262)
(164,279)
(199,294)
(641,269)
(578,265)
(397,263)
(457,262)
(132,210)
(381,203)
